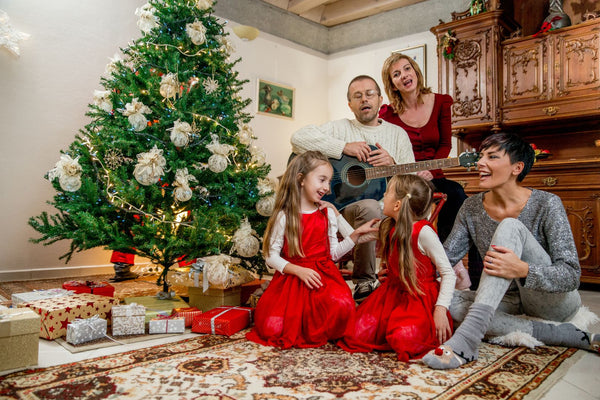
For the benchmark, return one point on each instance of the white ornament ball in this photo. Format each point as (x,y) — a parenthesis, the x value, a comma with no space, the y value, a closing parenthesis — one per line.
(265,206)
(70,183)
(138,121)
(217,163)
(247,246)
(182,194)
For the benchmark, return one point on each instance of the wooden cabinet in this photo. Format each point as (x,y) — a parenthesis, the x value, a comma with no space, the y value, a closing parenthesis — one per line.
(545,88)
(472,77)
(551,77)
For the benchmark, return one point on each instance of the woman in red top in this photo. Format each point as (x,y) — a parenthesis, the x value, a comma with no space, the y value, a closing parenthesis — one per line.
(426,117)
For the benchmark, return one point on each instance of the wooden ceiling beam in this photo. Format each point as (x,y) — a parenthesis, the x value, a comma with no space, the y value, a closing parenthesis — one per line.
(340,12)
(301,6)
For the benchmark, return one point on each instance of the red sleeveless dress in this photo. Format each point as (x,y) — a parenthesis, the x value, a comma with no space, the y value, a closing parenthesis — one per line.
(392,319)
(289,314)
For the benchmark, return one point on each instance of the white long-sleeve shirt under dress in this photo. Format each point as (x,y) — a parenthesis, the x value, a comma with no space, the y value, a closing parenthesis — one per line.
(331,137)
(337,248)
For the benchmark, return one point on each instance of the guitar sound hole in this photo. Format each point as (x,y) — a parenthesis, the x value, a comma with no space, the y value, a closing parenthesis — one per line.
(356,175)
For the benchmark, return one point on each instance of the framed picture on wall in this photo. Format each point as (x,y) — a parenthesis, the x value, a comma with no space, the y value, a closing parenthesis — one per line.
(275,99)
(418,54)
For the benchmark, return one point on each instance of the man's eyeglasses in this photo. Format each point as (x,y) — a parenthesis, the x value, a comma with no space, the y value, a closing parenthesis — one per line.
(369,94)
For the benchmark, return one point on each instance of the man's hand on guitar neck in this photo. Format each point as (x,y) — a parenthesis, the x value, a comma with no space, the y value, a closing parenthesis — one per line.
(363,153)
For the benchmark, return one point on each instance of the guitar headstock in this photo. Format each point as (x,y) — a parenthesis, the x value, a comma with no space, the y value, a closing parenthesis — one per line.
(468,159)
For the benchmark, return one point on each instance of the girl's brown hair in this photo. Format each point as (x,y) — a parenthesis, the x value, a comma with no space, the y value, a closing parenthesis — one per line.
(288,201)
(416,195)
(392,92)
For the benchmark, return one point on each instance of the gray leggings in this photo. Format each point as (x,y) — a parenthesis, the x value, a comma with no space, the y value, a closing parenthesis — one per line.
(509,297)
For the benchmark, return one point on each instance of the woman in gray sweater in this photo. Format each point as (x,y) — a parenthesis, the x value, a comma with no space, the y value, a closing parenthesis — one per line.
(530,260)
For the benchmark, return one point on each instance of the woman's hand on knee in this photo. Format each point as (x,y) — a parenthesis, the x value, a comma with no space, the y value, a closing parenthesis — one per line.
(504,263)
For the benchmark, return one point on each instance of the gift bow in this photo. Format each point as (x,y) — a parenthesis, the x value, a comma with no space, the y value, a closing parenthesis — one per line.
(212,320)
(195,270)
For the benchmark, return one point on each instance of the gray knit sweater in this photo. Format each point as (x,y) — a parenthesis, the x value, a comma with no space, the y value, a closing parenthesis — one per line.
(545,217)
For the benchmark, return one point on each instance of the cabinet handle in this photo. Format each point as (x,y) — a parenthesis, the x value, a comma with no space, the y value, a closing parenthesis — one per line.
(550,181)
(463,183)
(550,111)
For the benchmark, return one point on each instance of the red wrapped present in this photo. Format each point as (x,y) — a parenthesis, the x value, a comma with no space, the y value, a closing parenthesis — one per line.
(224,320)
(101,288)
(186,312)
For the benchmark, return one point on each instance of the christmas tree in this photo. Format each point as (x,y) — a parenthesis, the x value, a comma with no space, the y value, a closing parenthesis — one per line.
(166,169)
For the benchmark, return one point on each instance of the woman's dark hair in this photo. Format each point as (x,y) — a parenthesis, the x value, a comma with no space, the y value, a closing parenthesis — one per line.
(516,148)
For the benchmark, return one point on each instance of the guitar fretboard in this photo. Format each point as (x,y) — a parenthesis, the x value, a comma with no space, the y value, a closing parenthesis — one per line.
(391,170)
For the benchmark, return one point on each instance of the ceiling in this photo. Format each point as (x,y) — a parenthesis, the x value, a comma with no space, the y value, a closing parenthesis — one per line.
(335,12)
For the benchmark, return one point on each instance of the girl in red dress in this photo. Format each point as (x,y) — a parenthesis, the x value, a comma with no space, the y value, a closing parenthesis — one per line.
(307,303)
(408,313)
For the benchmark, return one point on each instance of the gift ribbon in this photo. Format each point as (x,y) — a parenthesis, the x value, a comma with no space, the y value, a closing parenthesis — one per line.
(167,318)
(9,316)
(195,270)
(212,320)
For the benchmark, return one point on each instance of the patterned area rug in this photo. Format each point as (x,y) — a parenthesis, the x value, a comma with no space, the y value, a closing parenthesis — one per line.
(217,367)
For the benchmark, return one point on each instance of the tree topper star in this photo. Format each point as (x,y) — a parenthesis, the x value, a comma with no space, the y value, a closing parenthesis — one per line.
(9,37)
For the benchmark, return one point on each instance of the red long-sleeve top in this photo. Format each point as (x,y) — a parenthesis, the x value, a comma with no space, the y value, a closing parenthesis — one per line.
(434,139)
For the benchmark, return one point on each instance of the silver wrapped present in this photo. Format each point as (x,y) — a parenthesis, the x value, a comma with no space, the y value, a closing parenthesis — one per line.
(38,295)
(84,330)
(167,324)
(129,319)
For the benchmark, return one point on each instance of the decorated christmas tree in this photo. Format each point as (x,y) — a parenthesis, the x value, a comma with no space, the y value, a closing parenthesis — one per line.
(166,169)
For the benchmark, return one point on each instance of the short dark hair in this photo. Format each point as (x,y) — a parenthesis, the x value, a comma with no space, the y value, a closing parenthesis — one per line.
(516,148)
(362,78)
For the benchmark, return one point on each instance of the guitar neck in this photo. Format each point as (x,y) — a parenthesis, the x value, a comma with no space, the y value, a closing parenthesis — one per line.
(391,170)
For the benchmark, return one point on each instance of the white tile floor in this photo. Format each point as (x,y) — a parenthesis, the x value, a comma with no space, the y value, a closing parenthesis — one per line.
(582,381)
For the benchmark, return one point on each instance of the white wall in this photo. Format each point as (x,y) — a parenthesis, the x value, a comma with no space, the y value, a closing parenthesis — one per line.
(46,91)
(45,94)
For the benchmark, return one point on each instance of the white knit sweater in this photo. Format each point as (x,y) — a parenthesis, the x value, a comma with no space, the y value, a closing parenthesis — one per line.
(331,137)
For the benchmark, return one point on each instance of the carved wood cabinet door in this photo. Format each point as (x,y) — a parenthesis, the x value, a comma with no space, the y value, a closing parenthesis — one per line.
(472,78)
(554,76)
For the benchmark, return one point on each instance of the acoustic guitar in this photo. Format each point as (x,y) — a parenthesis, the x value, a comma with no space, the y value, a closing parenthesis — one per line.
(354,180)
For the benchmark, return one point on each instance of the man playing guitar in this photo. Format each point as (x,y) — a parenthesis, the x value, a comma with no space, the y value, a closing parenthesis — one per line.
(370,140)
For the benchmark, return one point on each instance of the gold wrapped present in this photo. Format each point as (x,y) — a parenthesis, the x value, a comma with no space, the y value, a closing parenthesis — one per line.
(129,320)
(19,338)
(155,306)
(56,313)
(214,297)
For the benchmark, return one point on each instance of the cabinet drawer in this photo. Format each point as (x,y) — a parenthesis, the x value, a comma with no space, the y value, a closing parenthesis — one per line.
(548,111)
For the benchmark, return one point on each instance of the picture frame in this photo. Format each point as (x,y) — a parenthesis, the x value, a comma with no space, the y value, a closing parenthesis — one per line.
(419,54)
(275,99)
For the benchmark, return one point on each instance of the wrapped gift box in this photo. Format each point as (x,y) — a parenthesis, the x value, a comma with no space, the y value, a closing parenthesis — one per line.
(188,313)
(101,288)
(84,330)
(38,295)
(155,306)
(163,324)
(223,320)
(214,297)
(129,319)
(56,313)
(19,338)
(249,289)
